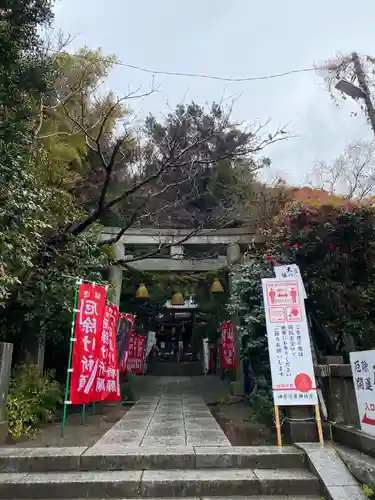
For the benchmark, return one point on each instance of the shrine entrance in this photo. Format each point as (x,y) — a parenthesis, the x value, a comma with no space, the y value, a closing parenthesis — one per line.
(176,351)
(178,327)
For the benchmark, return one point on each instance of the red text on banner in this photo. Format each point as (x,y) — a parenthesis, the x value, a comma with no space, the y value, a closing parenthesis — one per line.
(227,350)
(87,330)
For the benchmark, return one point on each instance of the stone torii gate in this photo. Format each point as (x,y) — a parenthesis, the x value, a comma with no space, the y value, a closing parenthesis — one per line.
(175,240)
(234,239)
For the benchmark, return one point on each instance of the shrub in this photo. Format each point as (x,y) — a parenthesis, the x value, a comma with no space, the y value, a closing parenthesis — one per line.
(246,305)
(335,250)
(262,407)
(369,492)
(334,247)
(33,399)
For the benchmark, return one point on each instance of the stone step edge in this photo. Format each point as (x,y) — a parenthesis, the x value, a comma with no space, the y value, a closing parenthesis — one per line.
(160,484)
(194,451)
(113,457)
(117,449)
(283,497)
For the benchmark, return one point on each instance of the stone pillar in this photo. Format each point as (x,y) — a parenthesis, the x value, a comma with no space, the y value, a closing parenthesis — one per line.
(233,254)
(301,428)
(341,395)
(6,352)
(233,257)
(115,274)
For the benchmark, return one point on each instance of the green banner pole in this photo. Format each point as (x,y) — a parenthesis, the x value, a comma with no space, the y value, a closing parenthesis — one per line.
(83,414)
(69,370)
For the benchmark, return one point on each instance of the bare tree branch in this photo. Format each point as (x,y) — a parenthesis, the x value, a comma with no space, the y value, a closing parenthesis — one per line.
(352,174)
(172,155)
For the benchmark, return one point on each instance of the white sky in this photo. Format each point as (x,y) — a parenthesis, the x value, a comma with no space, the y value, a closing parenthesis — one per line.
(239,38)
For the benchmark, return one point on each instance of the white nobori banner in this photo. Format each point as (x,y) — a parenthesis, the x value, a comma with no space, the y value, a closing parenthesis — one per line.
(292,370)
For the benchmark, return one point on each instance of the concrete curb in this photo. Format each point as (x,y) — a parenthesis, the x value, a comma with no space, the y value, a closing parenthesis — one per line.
(326,464)
(361,466)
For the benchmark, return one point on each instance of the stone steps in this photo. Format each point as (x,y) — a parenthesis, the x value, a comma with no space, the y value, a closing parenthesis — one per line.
(112,458)
(299,497)
(163,447)
(175,369)
(159,484)
(113,471)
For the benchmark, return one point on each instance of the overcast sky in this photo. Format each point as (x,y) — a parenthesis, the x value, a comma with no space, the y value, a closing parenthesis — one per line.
(237,38)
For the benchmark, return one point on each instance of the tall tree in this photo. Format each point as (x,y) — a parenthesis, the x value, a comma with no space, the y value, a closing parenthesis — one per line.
(81,169)
(352,75)
(24,73)
(170,166)
(219,167)
(42,294)
(352,174)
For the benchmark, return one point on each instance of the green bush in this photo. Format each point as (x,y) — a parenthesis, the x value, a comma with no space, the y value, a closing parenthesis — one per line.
(334,247)
(33,399)
(369,492)
(262,407)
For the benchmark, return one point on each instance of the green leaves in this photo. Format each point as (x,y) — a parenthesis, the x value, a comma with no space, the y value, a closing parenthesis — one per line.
(33,399)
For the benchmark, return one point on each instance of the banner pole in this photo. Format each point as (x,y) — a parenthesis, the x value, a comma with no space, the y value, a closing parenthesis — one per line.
(83,414)
(278,427)
(69,370)
(319,424)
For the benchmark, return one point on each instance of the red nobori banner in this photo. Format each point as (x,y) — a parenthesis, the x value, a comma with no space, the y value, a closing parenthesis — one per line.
(107,384)
(136,356)
(124,333)
(227,351)
(87,331)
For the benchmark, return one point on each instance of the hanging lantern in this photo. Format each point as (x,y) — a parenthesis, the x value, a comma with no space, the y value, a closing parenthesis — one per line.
(217,287)
(177,299)
(142,292)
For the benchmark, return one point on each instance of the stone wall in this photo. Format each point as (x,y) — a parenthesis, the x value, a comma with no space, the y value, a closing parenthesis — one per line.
(336,382)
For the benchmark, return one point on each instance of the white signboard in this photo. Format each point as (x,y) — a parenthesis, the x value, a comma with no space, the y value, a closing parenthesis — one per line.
(292,370)
(205,356)
(363,369)
(151,341)
(291,271)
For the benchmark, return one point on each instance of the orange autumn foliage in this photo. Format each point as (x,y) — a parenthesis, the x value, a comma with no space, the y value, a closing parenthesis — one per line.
(313,196)
(320,197)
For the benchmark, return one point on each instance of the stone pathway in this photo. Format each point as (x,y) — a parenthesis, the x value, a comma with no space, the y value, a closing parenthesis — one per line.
(166,421)
(208,387)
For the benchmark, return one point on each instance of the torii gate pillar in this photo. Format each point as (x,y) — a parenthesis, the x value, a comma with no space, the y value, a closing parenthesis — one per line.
(115,274)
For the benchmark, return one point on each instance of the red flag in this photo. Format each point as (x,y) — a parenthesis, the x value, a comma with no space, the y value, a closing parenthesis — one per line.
(87,331)
(227,351)
(136,353)
(125,330)
(107,384)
